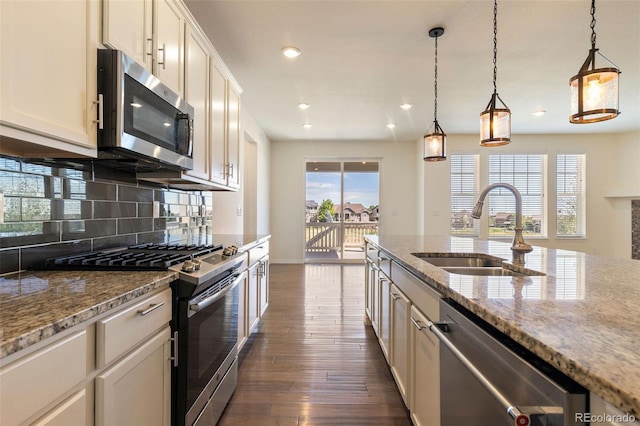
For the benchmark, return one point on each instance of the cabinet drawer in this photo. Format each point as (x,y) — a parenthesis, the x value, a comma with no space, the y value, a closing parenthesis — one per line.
(258,252)
(30,384)
(385,264)
(120,332)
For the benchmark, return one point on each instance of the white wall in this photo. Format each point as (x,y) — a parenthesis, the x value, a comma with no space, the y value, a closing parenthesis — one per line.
(613,161)
(398,189)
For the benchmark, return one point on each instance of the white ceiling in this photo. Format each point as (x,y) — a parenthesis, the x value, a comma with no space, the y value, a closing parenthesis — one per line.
(361,59)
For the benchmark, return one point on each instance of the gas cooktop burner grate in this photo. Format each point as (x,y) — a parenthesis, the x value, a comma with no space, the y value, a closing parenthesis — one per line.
(141,257)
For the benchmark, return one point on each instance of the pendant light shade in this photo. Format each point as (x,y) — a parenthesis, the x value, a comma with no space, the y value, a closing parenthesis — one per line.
(495,120)
(594,91)
(435,140)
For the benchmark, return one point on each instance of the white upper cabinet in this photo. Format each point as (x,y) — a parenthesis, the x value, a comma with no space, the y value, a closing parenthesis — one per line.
(225,131)
(48,84)
(169,45)
(151,32)
(128,26)
(197,95)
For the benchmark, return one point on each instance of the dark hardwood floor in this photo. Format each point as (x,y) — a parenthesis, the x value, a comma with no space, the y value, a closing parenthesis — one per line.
(312,360)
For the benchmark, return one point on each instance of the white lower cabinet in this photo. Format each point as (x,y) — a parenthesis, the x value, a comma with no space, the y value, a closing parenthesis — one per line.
(425,371)
(31,384)
(384,321)
(253,306)
(243,292)
(73,411)
(137,389)
(401,342)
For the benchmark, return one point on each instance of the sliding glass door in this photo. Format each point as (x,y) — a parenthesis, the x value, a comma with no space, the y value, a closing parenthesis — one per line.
(342,205)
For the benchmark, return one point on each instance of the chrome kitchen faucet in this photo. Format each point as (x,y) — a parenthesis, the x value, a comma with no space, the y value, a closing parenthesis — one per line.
(519,247)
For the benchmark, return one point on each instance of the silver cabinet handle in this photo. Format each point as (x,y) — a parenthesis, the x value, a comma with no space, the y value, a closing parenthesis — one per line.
(174,340)
(149,51)
(100,103)
(520,416)
(231,170)
(152,307)
(394,296)
(163,49)
(417,324)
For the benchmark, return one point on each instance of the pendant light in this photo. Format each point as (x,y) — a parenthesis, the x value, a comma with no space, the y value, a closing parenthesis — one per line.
(594,91)
(495,120)
(435,141)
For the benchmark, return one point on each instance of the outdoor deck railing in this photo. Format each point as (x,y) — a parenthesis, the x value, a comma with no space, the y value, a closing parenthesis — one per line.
(326,236)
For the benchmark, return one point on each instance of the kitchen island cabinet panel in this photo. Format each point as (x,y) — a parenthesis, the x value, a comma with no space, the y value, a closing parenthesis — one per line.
(73,411)
(401,342)
(425,370)
(48,82)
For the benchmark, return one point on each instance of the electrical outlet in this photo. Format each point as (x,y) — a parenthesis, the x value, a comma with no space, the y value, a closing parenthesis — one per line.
(1,208)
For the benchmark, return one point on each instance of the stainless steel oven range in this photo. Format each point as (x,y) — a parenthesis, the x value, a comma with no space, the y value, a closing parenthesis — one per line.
(205,328)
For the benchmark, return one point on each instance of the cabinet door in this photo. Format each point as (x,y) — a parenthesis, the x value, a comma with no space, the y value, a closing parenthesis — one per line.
(263,276)
(197,95)
(127,26)
(384,322)
(169,43)
(233,138)
(73,411)
(137,389)
(254,288)
(400,341)
(218,126)
(375,302)
(48,71)
(425,370)
(243,303)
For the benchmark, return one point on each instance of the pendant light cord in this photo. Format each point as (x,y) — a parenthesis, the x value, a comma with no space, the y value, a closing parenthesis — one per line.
(435,85)
(593,24)
(495,44)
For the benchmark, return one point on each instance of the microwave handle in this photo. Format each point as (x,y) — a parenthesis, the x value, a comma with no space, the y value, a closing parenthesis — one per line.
(189,120)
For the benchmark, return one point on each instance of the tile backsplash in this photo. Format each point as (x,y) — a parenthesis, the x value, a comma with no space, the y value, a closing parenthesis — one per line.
(635,229)
(52,210)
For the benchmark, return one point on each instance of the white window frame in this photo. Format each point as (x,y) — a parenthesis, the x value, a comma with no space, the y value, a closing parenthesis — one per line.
(516,179)
(571,184)
(471,169)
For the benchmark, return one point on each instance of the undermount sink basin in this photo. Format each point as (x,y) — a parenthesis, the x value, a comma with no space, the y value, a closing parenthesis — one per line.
(485,272)
(473,264)
(465,260)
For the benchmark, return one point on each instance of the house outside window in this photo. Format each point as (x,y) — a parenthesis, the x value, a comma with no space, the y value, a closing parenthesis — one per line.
(570,195)
(526,172)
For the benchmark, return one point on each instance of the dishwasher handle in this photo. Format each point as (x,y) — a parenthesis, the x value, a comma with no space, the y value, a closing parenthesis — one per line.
(522,416)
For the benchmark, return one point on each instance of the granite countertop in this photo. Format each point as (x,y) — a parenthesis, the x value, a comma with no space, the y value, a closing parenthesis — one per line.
(35,305)
(582,316)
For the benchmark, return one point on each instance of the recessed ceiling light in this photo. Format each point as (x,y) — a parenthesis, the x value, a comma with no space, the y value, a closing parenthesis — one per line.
(303,106)
(539,113)
(406,107)
(307,125)
(291,51)
(391,126)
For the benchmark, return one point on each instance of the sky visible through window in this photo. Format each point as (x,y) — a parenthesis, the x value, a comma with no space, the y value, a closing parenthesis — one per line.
(359,187)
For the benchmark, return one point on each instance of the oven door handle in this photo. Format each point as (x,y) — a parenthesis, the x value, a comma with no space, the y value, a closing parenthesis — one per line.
(520,415)
(197,307)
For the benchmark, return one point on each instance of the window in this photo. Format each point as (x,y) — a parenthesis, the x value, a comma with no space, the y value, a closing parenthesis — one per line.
(526,173)
(464,187)
(570,195)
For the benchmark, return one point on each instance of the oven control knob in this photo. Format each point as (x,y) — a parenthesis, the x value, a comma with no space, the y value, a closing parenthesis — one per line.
(188,266)
(196,264)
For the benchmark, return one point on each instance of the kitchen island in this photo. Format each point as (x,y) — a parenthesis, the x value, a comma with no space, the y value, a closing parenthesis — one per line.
(581,316)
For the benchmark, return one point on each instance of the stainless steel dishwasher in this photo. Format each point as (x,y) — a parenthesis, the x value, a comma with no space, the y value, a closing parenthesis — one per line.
(488,379)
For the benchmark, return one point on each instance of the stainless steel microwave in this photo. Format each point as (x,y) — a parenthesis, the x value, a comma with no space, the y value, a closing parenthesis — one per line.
(140,120)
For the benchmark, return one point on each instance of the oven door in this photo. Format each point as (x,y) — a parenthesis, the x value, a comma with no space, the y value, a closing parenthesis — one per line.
(211,344)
